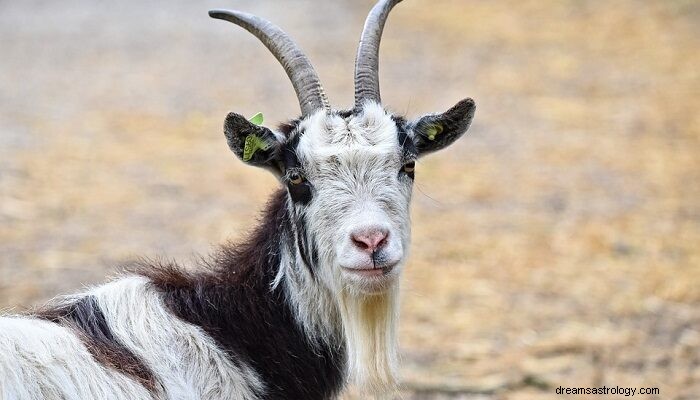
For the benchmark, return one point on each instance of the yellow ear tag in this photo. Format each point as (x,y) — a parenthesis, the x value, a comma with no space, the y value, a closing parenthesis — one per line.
(253,144)
(256,119)
(434,131)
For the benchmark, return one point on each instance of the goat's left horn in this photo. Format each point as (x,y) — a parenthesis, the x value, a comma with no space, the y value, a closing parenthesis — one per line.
(367,60)
(296,64)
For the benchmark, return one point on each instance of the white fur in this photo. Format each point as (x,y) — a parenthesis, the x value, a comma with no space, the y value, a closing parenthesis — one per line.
(42,360)
(353,165)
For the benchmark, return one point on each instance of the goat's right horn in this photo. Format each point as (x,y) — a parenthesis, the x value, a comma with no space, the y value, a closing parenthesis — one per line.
(367,60)
(296,64)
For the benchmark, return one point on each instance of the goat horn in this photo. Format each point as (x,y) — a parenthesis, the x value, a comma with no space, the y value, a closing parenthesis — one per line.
(296,64)
(367,60)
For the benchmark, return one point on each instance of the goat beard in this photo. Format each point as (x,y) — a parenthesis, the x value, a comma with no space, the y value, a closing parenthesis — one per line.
(369,325)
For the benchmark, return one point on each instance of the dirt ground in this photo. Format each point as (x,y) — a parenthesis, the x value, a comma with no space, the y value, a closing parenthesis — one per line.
(558,244)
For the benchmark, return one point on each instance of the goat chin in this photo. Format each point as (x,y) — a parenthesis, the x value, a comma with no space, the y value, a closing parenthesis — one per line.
(369,324)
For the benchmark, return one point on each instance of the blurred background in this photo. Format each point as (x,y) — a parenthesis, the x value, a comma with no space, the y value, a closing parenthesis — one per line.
(558,243)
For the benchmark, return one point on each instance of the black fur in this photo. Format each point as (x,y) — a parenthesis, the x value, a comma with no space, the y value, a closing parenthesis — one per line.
(237,128)
(410,152)
(345,114)
(452,124)
(86,318)
(306,245)
(300,193)
(289,151)
(234,303)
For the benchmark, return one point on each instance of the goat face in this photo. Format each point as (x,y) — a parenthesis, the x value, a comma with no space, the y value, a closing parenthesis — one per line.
(357,214)
(348,177)
(348,174)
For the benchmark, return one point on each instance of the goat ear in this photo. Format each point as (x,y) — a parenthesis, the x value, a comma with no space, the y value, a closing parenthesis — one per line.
(254,144)
(434,131)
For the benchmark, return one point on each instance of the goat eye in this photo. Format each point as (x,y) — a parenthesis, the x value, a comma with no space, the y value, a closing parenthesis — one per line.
(295,178)
(409,167)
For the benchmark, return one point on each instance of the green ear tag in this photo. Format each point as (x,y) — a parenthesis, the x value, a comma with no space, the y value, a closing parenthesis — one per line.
(434,131)
(257,119)
(253,144)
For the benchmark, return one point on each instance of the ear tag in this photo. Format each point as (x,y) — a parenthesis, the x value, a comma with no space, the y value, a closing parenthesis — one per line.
(433,131)
(257,119)
(253,144)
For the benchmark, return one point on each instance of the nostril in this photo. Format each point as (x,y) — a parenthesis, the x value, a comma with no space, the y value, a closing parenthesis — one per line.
(370,240)
(359,243)
(382,242)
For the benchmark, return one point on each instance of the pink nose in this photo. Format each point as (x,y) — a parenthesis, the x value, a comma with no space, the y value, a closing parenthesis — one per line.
(369,239)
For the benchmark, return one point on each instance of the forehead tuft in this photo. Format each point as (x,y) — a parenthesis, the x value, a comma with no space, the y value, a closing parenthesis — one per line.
(371,129)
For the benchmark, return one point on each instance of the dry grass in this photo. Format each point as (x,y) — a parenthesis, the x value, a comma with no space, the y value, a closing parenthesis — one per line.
(555,245)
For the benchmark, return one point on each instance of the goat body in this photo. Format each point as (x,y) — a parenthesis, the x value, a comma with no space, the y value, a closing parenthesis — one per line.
(234,338)
(305,304)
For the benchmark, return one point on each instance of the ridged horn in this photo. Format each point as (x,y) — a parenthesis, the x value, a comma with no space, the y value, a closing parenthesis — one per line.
(367,60)
(294,61)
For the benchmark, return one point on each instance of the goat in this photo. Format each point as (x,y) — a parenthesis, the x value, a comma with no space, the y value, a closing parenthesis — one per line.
(305,305)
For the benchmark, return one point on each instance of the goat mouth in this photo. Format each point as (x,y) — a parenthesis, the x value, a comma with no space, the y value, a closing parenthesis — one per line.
(370,272)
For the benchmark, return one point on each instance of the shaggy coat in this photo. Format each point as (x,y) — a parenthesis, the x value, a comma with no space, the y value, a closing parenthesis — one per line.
(234,337)
(305,304)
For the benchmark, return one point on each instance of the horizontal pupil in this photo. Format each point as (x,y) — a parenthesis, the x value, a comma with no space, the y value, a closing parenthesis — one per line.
(295,178)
